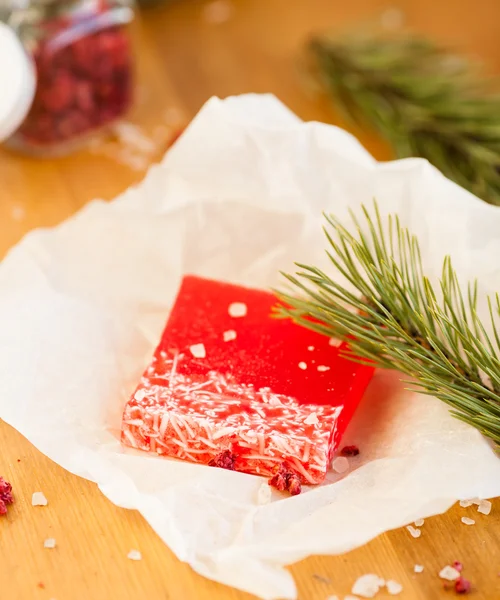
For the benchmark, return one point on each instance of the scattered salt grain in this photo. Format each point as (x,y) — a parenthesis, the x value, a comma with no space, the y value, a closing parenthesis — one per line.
(310,348)
(333,598)
(133,136)
(466,503)
(49,543)
(134,555)
(311,419)
(418,568)
(198,350)
(367,586)
(484,507)
(334,342)
(393,587)
(229,335)
(264,494)
(419,522)
(218,11)
(416,533)
(237,310)
(323,368)
(39,499)
(302,365)
(449,573)
(340,464)
(467,521)
(18,213)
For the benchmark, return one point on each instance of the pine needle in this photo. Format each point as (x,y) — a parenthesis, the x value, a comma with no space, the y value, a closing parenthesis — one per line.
(398,319)
(425,101)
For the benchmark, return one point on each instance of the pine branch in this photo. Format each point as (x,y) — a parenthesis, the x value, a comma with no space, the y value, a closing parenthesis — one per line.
(398,319)
(423,100)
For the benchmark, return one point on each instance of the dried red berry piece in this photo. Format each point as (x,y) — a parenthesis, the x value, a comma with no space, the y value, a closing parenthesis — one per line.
(457,565)
(6,496)
(349,451)
(3,508)
(224,460)
(286,480)
(462,586)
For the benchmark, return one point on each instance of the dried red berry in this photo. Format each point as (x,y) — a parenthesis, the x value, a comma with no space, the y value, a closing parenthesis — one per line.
(224,460)
(294,486)
(3,508)
(278,482)
(6,496)
(58,95)
(462,586)
(286,480)
(349,451)
(457,565)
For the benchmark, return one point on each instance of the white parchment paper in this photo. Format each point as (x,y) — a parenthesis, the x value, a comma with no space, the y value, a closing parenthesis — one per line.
(239,197)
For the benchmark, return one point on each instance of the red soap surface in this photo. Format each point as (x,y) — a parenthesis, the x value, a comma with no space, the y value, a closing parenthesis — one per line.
(276,395)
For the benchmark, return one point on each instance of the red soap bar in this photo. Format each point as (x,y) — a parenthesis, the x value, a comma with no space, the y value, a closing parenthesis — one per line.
(230,386)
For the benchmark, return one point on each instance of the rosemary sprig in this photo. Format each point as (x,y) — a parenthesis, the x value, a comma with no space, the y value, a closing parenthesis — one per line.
(398,319)
(423,100)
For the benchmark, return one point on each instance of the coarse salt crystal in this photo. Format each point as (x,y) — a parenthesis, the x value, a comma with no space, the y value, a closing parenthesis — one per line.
(310,348)
(418,568)
(49,543)
(229,335)
(484,507)
(333,598)
(340,464)
(419,522)
(198,350)
(312,419)
(134,555)
(334,342)
(467,521)
(39,499)
(264,494)
(323,368)
(466,503)
(140,395)
(449,573)
(237,310)
(367,586)
(393,587)
(416,533)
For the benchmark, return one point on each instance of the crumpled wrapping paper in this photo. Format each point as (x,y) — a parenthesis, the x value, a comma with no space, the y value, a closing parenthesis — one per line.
(239,197)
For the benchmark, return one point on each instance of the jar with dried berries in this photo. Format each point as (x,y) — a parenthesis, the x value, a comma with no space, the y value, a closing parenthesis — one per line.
(66,71)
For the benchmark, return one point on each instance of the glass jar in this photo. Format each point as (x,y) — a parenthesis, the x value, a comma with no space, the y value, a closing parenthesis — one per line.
(73,74)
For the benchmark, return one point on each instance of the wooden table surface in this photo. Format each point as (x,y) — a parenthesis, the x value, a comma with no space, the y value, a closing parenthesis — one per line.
(183,59)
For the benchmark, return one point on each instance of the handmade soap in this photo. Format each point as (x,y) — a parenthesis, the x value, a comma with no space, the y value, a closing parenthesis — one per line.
(230,386)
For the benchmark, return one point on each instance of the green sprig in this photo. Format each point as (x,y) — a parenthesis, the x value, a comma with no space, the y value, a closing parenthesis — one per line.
(396,318)
(423,100)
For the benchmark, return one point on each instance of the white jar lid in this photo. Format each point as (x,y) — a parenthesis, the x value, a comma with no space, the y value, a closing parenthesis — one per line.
(17,82)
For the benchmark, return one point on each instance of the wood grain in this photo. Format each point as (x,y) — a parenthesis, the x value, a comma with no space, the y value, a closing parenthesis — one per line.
(182,61)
